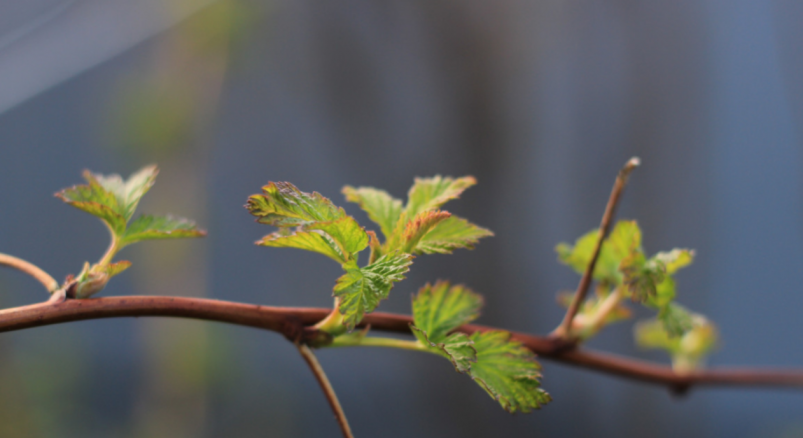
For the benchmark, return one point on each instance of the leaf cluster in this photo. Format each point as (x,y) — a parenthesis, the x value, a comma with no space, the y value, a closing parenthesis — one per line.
(623,270)
(114,201)
(311,222)
(503,367)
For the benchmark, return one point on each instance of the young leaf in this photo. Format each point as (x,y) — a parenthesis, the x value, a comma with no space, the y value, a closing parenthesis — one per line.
(128,192)
(415,230)
(457,347)
(451,234)
(351,237)
(431,193)
(147,227)
(95,200)
(382,208)
(439,309)
(508,372)
(361,289)
(307,240)
(115,268)
(622,241)
(642,276)
(688,350)
(284,205)
(675,259)
(676,320)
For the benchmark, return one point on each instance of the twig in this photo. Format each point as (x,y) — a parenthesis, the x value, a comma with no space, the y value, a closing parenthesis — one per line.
(285,320)
(331,397)
(29,268)
(564,330)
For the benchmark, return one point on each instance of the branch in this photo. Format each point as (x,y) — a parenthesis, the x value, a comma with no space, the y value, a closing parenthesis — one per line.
(564,330)
(294,324)
(331,397)
(29,268)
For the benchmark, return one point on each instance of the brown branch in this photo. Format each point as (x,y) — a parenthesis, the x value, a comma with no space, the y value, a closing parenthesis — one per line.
(294,324)
(29,268)
(565,327)
(327,389)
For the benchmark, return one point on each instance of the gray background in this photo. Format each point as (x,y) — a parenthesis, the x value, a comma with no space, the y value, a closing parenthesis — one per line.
(541,101)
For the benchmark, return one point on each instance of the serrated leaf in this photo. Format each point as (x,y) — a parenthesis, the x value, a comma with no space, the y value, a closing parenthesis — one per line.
(281,204)
(675,259)
(641,277)
(415,230)
(676,320)
(507,371)
(382,208)
(432,193)
(361,289)
(457,347)
(130,191)
(621,242)
(148,227)
(95,200)
(109,197)
(689,349)
(439,309)
(450,234)
(315,241)
(351,237)
(664,293)
(113,269)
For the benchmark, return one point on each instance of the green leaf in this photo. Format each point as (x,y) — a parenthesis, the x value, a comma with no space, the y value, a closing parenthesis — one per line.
(113,269)
(361,289)
(439,309)
(624,239)
(457,347)
(128,192)
(110,198)
(415,230)
(351,237)
(281,204)
(382,208)
(95,200)
(675,259)
(642,276)
(431,193)
(315,241)
(147,227)
(507,371)
(687,347)
(451,234)
(676,320)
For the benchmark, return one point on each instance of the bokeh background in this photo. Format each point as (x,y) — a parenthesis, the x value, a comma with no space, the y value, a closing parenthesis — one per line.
(542,101)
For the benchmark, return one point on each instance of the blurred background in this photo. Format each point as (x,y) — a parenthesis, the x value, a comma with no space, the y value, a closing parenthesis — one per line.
(541,101)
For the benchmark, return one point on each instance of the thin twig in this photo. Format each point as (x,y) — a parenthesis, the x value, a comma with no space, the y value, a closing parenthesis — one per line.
(29,268)
(331,397)
(285,320)
(564,330)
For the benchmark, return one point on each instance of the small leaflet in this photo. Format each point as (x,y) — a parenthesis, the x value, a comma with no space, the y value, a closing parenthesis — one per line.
(504,368)
(147,227)
(361,289)
(307,221)
(382,208)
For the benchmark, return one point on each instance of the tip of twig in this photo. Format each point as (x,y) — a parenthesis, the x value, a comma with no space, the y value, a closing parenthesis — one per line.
(629,166)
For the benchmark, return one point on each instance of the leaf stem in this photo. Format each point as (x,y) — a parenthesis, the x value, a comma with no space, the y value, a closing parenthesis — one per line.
(373,341)
(331,397)
(114,246)
(333,323)
(29,268)
(564,330)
